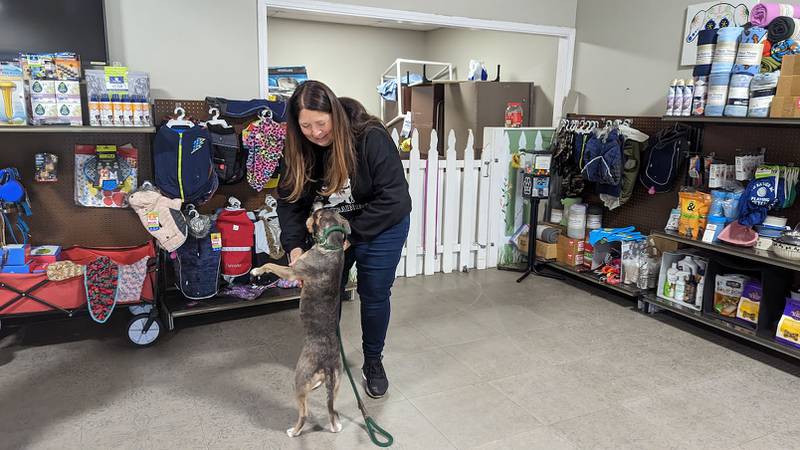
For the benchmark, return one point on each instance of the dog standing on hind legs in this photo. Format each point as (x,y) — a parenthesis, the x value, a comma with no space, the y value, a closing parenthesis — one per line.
(320,270)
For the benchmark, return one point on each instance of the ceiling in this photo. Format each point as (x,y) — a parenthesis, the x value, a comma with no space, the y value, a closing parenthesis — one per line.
(281,13)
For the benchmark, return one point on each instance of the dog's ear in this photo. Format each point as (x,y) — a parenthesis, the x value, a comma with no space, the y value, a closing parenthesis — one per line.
(345,224)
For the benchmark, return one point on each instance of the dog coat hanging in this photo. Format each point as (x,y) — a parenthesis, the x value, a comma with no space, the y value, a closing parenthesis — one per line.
(264,140)
(237,239)
(101,288)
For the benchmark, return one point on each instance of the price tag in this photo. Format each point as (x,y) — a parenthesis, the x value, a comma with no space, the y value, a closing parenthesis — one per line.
(216,241)
(152,221)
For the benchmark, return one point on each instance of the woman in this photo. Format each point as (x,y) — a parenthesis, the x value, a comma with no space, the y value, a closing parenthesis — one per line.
(339,155)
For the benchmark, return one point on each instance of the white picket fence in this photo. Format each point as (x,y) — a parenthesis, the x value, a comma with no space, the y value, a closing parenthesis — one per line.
(450,210)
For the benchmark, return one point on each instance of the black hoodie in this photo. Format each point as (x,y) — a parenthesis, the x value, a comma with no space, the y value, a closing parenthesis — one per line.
(376,199)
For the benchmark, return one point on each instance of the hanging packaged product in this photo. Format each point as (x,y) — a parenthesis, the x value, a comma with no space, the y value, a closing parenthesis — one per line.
(746,164)
(513,116)
(46,168)
(12,95)
(105,175)
(788,332)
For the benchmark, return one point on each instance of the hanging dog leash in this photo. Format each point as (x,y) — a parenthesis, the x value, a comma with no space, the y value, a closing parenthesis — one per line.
(373,428)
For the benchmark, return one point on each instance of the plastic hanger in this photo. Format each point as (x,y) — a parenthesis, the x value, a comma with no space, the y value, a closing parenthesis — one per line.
(215,120)
(234,204)
(180,120)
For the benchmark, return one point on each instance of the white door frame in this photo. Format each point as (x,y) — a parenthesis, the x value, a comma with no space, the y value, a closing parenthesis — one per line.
(565,35)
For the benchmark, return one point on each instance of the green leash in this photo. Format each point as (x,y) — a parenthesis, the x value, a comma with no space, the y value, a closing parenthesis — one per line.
(373,429)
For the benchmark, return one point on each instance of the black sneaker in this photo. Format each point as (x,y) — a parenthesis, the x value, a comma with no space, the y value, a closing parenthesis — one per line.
(375,380)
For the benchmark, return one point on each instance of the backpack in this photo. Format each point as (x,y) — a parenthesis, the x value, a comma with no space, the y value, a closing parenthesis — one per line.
(182,162)
(227,154)
(664,157)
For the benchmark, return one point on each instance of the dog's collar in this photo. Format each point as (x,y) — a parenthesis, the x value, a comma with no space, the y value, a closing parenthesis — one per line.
(322,240)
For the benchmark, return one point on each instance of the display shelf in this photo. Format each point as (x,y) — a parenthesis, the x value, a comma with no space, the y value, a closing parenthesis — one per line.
(84,129)
(176,305)
(767,122)
(752,254)
(588,276)
(723,325)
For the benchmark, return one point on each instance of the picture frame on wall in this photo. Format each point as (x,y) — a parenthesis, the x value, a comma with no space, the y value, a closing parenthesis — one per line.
(710,15)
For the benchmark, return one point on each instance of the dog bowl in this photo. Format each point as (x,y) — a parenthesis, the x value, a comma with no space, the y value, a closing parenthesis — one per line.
(786,251)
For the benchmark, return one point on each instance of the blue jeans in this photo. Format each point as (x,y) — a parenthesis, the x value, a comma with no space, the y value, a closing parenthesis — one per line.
(376,262)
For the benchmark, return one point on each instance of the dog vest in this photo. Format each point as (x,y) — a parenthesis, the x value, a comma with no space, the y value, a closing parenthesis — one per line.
(237,241)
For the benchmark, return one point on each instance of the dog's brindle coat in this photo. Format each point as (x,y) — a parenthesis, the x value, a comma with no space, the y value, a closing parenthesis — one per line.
(320,270)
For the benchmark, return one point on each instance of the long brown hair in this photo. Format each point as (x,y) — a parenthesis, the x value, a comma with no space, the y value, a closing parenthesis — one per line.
(298,154)
(360,119)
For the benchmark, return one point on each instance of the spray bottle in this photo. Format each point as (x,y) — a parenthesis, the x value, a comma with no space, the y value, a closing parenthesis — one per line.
(688,97)
(671,98)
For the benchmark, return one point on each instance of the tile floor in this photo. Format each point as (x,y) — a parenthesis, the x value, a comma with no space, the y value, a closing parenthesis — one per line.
(475,361)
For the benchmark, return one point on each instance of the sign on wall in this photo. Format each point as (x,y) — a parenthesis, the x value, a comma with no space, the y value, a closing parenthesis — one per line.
(710,15)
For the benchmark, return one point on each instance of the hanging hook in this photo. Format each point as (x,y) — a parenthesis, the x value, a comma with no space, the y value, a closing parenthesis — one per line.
(180,112)
(265,113)
(214,113)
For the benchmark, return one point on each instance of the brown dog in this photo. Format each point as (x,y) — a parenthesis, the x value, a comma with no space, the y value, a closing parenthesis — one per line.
(320,270)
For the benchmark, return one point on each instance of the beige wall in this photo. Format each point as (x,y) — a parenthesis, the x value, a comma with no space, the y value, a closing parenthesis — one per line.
(349,58)
(522,57)
(195,48)
(627,53)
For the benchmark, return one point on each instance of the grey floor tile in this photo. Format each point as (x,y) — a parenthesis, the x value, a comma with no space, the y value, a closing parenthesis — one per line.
(510,319)
(786,439)
(551,394)
(427,373)
(482,412)
(541,438)
(613,428)
(451,329)
(495,357)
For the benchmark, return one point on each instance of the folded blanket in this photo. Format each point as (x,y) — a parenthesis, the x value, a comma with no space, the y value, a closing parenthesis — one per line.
(706,41)
(717,94)
(763,14)
(751,48)
(762,91)
(783,28)
(725,50)
(738,95)
(777,51)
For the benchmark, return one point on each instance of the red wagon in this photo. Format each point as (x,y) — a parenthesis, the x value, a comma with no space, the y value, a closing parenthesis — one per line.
(25,295)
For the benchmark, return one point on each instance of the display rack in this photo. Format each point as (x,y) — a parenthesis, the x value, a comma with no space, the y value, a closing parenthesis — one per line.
(650,300)
(628,291)
(83,130)
(767,122)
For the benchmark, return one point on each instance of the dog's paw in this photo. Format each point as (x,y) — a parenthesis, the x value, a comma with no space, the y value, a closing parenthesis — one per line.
(257,272)
(292,433)
(336,427)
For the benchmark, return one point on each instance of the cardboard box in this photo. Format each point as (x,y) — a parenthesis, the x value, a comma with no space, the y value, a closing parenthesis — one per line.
(570,251)
(544,250)
(785,107)
(43,88)
(788,86)
(68,89)
(22,268)
(46,253)
(17,254)
(69,111)
(790,65)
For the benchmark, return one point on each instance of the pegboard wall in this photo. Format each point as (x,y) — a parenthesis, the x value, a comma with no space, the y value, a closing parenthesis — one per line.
(56,218)
(198,109)
(650,212)
(644,211)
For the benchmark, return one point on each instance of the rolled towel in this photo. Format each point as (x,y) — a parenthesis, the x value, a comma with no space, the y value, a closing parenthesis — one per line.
(717,94)
(700,96)
(783,28)
(763,14)
(751,48)
(762,91)
(738,95)
(725,50)
(777,51)
(706,40)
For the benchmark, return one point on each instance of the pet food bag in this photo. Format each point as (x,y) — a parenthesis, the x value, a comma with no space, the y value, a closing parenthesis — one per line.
(789,326)
(727,293)
(750,302)
(694,213)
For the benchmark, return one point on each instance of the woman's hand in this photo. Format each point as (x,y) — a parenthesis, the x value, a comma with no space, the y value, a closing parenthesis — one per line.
(294,255)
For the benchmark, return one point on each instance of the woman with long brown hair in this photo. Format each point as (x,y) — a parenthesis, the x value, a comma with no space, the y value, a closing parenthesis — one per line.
(342,157)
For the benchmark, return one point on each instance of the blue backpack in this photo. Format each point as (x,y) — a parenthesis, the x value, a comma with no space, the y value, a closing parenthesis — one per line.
(183,164)
(664,157)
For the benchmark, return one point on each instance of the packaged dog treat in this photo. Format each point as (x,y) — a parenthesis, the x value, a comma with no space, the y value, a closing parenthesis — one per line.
(789,326)
(694,213)
(750,302)
(727,293)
